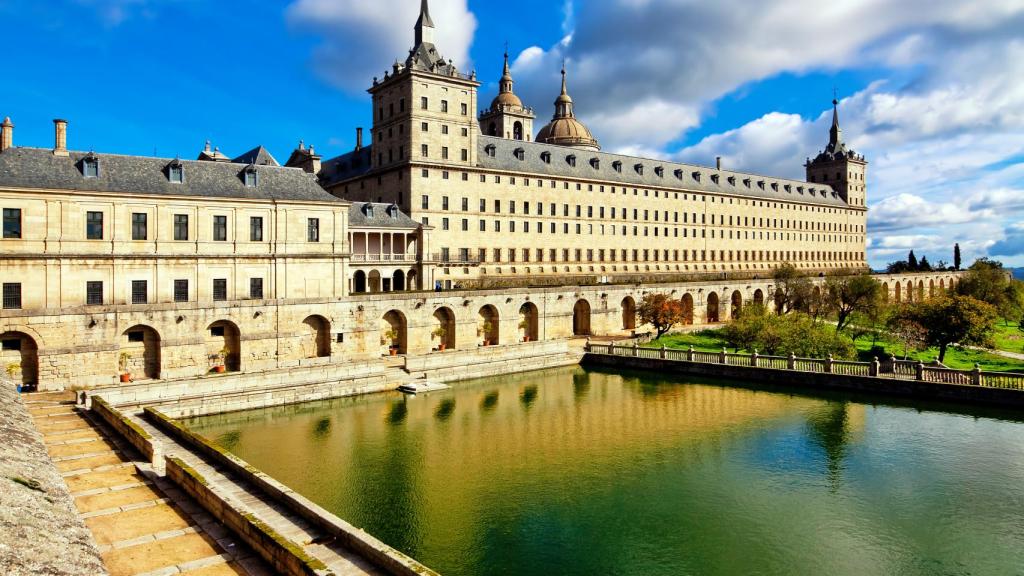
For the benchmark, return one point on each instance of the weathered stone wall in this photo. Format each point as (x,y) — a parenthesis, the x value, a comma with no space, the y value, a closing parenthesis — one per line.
(81,347)
(40,531)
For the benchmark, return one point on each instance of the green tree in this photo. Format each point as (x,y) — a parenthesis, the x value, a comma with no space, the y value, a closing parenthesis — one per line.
(795,333)
(954,320)
(912,264)
(924,265)
(846,295)
(988,281)
(956,257)
(793,289)
(907,329)
(660,311)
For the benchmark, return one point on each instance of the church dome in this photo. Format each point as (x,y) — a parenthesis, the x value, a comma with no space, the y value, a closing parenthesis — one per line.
(506,99)
(564,129)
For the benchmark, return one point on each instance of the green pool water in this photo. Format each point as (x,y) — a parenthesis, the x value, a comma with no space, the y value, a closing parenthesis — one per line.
(576,471)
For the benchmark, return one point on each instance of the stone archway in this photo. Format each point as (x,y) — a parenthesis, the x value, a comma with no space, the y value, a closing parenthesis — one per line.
(942,284)
(359,282)
(931,288)
(19,353)
(373,283)
(411,281)
(920,290)
(489,326)
(737,304)
(517,130)
(628,313)
(759,297)
(528,320)
(139,353)
(444,328)
(899,293)
(394,332)
(688,309)
(398,281)
(316,337)
(885,292)
(581,318)
(224,340)
(713,313)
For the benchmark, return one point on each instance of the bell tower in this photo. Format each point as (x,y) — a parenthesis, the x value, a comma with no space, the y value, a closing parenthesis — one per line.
(839,167)
(507,117)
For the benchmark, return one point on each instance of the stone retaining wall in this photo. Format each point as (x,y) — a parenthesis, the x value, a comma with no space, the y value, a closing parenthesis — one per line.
(351,537)
(40,531)
(285,556)
(905,388)
(128,430)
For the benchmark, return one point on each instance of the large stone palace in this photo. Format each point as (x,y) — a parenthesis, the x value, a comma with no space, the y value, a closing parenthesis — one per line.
(434,237)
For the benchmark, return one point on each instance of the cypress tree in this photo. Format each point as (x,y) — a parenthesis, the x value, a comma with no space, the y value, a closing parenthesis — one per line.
(956,256)
(912,264)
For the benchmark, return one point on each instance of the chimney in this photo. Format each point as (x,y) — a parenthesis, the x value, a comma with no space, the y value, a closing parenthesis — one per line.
(6,134)
(718,162)
(60,139)
(314,161)
(359,139)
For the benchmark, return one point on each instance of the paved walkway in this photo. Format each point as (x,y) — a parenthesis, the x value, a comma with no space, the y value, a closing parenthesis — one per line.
(341,560)
(142,524)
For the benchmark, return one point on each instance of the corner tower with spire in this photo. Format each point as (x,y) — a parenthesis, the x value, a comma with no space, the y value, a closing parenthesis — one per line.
(424,111)
(840,167)
(507,117)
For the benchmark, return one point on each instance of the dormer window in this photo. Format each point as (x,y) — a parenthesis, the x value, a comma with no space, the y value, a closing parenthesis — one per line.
(760,184)
(617,166)
(595,163)
(746,182)
(571,160)
(714,178)
(250,176)
(775,186)
(545,157)
(788,188)
(639,169)
(679,174)
(732,180)
(520,154)
(800,189)
(490,150)
(696,176)
(176,174)
(368,210)
(660,172)
(393,211)
(91,167)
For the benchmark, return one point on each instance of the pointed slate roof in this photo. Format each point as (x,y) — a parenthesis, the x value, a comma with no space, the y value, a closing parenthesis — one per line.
(259,156)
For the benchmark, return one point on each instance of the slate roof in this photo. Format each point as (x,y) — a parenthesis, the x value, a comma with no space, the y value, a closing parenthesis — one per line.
(358,216)
(259,156)
(346,166)
(141,175)
(673,175)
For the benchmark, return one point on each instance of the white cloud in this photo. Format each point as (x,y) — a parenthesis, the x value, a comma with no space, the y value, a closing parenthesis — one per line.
(361,39)
(906,211)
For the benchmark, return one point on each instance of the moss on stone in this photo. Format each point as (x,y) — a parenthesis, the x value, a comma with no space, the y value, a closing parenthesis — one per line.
(292,548)
(96,400)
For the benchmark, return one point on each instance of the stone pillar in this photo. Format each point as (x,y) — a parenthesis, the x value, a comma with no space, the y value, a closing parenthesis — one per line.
(635,349)
(753,359)
(876,367)
(689,354)
(828,364)
(721,357)
(919,370)
(792,361)
(976,375)
(664,352)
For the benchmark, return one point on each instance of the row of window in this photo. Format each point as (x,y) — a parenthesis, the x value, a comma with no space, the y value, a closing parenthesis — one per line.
(658,215)
(94,292)
(175,172)
(539,183)
(94,226)
(424,105)
(513,255)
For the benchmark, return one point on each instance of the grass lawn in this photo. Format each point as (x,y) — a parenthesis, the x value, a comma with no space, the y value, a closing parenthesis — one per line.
(712,341)
(1009,338)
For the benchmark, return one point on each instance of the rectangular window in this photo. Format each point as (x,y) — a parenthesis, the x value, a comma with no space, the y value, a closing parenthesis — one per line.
(94,225)
(94,293)
(220,289)
(12,295)
(444,152)
(444,203)
(444,105)
(424,150)
(181,290)
(139,226)
(181,227)
(220,228)
(424,103)
(256,229)
(140,292)
(445,255)
(313,230)
(465,109)
(444,223)
(256,288)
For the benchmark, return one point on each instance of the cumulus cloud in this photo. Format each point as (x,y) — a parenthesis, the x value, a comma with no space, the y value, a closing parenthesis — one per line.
(1012,243)
(906,211)
(360,39)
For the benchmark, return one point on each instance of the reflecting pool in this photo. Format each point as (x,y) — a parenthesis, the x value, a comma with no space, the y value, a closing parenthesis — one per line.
(576,471)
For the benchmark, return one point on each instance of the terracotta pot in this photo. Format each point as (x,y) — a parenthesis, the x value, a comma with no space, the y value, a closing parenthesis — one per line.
(393,351)
(125,378)
(526,338)
(442,347)
(219,369)
(487,342)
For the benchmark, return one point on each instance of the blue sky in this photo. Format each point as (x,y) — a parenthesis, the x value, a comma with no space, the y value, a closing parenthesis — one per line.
(929,88)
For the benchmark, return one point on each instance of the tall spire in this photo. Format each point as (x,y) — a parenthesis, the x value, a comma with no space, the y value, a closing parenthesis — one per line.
(835,140)
(506,83)
(424,25)
(563,104)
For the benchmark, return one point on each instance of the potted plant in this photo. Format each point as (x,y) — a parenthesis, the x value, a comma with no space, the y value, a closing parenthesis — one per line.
(440,333)
(220,358)
(486,332)
(14,373)
(390,337)
(122,366)
(524,325)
